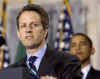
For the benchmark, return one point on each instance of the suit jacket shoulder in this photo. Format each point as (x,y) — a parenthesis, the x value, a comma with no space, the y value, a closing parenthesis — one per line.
(93,74)
(22,64)
(62,65)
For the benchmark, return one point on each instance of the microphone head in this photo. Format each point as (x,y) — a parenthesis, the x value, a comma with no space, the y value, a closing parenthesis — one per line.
(2,40)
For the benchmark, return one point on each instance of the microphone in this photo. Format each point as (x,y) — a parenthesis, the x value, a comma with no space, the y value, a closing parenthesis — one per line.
(2,40)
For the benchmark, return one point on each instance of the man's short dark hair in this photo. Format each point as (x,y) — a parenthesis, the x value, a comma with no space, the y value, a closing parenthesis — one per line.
(84,35)
(34,7)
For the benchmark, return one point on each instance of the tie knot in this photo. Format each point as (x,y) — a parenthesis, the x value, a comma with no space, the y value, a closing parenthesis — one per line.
(32,59)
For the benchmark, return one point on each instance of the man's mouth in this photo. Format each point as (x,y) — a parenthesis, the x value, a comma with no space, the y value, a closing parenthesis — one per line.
(28,37)
(79,52)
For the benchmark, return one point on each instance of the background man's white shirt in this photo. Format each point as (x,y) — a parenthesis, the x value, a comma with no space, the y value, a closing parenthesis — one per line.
(85,71)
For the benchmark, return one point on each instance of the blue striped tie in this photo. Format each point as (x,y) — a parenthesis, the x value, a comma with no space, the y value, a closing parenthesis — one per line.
(32,67)
(31,62)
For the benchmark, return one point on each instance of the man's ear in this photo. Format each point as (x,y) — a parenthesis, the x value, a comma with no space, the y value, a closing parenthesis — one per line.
(92,50)
(46,31)
(18,34)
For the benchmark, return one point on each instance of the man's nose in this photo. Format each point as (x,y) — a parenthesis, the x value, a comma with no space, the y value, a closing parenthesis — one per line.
(78,47)
(28,29)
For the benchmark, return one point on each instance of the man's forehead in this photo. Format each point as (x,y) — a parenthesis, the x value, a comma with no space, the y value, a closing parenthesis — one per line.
(79,38)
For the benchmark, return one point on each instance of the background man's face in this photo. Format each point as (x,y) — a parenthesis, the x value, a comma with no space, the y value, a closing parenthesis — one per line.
(31,31)
(80,46)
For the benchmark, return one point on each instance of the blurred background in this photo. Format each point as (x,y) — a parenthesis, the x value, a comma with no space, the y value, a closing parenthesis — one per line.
(82,16)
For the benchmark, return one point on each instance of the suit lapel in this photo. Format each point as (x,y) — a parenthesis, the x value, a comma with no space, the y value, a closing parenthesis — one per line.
(91,74)
(22,63)
(45,65)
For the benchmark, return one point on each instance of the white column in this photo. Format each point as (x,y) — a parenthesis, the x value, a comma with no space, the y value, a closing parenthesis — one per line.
(93,28)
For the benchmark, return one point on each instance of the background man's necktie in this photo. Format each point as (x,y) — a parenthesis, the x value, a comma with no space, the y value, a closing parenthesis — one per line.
(82,75)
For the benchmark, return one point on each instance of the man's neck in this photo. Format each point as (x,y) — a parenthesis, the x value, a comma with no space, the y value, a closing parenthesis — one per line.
(32,51)
(84,64)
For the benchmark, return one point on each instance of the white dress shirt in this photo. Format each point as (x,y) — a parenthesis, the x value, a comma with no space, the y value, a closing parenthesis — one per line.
(39,54)
(85,71)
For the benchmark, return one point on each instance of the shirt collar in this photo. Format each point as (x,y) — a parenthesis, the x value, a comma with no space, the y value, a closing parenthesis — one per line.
(38,54)
(85,70)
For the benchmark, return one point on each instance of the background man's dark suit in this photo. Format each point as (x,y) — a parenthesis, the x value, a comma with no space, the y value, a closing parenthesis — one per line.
(93,74)
(55,63)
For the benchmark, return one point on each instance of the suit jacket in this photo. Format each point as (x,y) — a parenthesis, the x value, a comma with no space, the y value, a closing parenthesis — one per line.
(57,64)
(93,74)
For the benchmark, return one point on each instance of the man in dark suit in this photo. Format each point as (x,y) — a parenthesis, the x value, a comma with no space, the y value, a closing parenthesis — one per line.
(32,30)
(81,45)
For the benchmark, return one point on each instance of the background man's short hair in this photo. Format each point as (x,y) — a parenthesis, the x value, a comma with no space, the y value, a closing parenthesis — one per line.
(84,35)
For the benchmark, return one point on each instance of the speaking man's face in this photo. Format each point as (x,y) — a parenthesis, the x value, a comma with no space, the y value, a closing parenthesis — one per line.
(31,31)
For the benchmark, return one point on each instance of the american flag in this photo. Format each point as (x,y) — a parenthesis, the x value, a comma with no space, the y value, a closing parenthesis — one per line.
(4,53)
(64,32)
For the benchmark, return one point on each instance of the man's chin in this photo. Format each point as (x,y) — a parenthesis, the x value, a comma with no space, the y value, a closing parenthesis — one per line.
(32,46)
